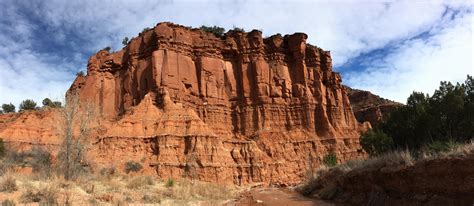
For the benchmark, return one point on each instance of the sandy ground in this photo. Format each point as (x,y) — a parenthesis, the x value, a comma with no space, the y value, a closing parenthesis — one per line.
(275,197)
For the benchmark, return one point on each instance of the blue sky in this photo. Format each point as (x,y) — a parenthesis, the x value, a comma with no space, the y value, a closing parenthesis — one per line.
(389,48)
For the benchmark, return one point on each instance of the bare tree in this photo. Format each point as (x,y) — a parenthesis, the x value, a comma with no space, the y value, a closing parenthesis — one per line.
(74,130)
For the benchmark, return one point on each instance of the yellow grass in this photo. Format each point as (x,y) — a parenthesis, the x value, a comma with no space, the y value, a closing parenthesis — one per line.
(112,190)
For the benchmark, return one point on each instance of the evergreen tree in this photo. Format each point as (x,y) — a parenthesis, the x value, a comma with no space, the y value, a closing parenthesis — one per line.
(448,115)
(125,41)
(28,104)
(7,108)
(217,31)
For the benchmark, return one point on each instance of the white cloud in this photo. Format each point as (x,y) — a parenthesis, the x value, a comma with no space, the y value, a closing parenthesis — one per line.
(25,75)
(348,29)
(420,64)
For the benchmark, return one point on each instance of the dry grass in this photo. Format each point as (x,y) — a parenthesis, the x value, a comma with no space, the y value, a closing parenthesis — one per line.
(186,191)
(112,189)
(390,159)
(456,150)
(8,202)
(8,183)
(47,193)
(151,198)
(325,177)
(139,182)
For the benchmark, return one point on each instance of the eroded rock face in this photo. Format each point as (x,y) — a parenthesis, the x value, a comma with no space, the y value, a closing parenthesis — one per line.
(369,107)
(240,109)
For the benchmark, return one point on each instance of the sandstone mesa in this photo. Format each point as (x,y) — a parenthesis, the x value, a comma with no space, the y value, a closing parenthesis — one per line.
(238,109)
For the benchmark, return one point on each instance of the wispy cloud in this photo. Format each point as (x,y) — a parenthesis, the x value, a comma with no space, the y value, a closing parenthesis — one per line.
(43,43)
(443,52)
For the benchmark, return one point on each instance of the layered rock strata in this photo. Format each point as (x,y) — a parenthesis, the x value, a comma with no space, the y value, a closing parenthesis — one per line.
(369,107)
(238,109)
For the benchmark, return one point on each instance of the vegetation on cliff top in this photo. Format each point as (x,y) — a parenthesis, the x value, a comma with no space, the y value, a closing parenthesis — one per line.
(30,104)
(217,31)
(27,104)
(7,108)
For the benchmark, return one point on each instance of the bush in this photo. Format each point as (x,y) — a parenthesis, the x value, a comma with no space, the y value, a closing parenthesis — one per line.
(238,29)
(151,199)
(37,158)
(376,142)
(125,41)
(48,103)
(8,184)
(80,74)
(217,31)
(107,48)
(40,161)
(8,202)
(108,171)
(132,166)
(145,29)
(12,159)
(140,181)
(16,158)
(7,108)
(46,195)
(56,104)
(170,182)
(330,159)
(441,146)
(2,148)
(28,104)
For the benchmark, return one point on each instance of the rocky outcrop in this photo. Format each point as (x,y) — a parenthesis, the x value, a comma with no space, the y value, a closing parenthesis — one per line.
(369,107)
(238,109)
(26,129)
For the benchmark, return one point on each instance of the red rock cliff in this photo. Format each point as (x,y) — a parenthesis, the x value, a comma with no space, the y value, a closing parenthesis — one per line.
(369,107)
(239,109)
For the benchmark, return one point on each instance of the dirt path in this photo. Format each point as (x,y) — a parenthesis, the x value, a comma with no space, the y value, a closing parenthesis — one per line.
(275,197)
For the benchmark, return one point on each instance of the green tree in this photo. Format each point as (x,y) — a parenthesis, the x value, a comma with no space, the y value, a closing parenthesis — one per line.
(80,74)
(238,29)
(27,104)
(145,29)
(467,120)
(376,142)
(448,104)
(217,31)
(410,125)
(48,103)
(125,41)
(7,108)
(448,115)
